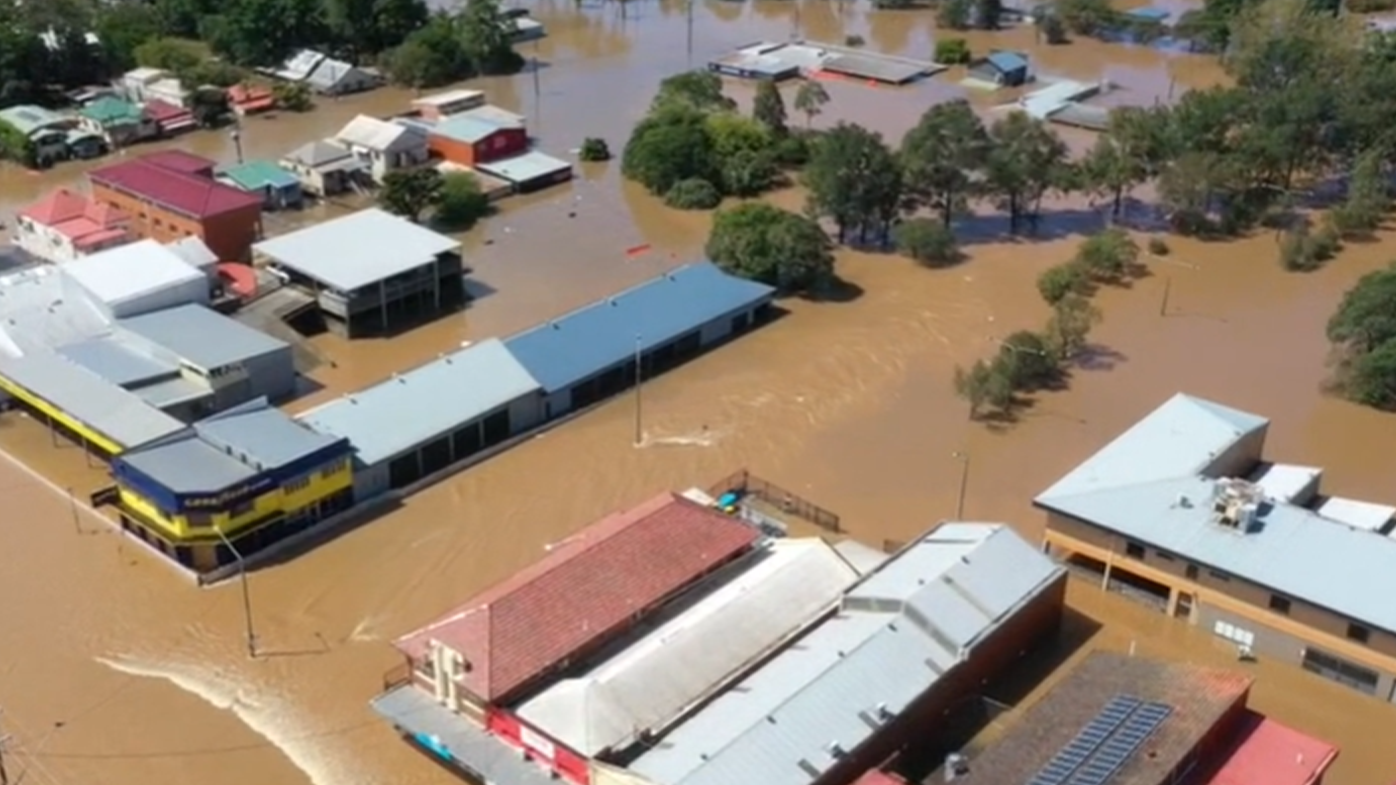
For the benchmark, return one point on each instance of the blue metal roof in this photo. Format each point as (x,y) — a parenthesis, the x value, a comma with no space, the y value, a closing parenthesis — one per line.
(587,341)
(466,129)
(1007,61)
(1149,13)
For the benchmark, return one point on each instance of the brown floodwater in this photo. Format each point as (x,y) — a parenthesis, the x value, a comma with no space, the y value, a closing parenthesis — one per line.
(117,672)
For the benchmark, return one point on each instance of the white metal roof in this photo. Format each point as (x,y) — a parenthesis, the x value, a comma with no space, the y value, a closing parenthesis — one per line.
(450,97)
(375,134)
(358,249)
(1287,482)
(653,680)
(195,252)
(899,630)
(129,272)
(40,306)
(1358,514)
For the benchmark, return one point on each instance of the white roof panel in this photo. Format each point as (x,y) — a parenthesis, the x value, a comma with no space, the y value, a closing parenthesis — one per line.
(1288,483)
(1358,514)
(357,250)
(129,272)
(652,681)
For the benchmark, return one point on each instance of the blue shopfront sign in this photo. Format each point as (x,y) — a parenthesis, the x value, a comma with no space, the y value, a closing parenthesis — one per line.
(435,746)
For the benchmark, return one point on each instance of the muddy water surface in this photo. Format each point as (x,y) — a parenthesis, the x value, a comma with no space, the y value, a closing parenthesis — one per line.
(117,672)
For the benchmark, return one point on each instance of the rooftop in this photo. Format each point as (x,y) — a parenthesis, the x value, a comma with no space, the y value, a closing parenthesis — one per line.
(896,633)
(441,395)
(331,72)
(257,175)
(377,134)
(172,188)
(226,449)
(523,168)
(129,272)
(1007,61)
(450,97)
(358,249)
(42,307)
(1269,753)
(1156,483)
(202,336)
(465,129)
(299,65)
(29,119)
(672,665)
(180,161)
(110,110)
(574,346)
(582,591)
(494,115)
(321,153)
(1197,699)
(77,217)
(119,361)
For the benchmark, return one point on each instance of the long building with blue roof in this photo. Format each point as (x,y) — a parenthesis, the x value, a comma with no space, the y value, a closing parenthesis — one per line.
(474,401)
(589,354)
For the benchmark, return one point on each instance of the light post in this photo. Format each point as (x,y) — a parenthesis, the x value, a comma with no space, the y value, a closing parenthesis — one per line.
(236,133)
(246,594)
(963,458)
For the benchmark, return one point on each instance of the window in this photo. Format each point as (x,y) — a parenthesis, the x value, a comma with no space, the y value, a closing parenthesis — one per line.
(1134,550)
(297,485)
(1218,575)
(1163,555)
(1279,604)
(1192,572)
(241,508)
(199,520)
(1356,632)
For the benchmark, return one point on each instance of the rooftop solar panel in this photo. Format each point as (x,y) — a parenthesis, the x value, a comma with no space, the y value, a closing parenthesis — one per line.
(1111,756)
(1069,759)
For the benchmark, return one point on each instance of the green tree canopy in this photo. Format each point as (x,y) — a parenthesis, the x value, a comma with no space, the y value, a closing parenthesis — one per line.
(487,38)
(768,108)
(853,179)
(669,145)
(810,100)
(701,90)
(1025,160)
(941,155)
(765,243)
(460,202)
(430,57)
(410,192)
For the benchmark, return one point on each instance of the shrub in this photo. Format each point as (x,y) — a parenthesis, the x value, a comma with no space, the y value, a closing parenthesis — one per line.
(1158,247)
(928,241)
(1054,30)
(1304,251)
(594,149)
(292,96)
(793,151)
(694,193)
(1057,282)
(461,202)
(952,51)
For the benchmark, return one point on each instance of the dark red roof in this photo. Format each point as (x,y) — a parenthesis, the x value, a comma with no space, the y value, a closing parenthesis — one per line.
(584,591)
(180,161)
(171,189)
(1268,753)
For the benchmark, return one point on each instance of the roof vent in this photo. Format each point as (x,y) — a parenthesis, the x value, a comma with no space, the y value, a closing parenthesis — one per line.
(1184,501)
(612,301)
(884,712)
(835,749)
(555,325)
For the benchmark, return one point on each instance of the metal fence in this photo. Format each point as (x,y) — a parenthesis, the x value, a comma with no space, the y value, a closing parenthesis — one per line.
(745,484)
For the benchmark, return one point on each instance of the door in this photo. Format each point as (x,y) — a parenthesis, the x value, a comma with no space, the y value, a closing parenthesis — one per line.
(1183,608)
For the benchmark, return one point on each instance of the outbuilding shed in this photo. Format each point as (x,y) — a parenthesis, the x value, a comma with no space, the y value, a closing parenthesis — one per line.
(137,278)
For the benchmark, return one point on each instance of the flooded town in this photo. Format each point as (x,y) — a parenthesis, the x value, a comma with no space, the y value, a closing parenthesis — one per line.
(322,489)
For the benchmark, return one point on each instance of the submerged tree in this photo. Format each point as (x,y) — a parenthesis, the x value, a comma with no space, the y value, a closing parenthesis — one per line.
(810,100)
(941,156)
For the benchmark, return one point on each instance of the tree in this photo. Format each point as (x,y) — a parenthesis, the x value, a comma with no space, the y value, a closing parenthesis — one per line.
(1061,281)
(265,32)
(487,38)
(810,100)
(693,194)
(1069,326)
(765,243)
(594,148)
(982,385)
(293,96)
(701,90)
(460,202)
(1123,157)
(430,57)
(367,27)
(210,107)
(1025,159)
(669,145)
(853,179)
(768,108)
(1087,17)
(954,14)
(941,155)
(1368,199)
(1054,30)
(953,51)
(1108,256)
(1366,316)
(1027,361)
(987,14)
(1371,379)
(743,150)
(122,27)
(927,241)
(409,192)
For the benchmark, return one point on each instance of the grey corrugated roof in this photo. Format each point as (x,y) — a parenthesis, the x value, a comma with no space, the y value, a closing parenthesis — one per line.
(171,392)
(358,249)
(320,153)
(265,434)
(43,307)
(129,272)
(121,416)
(591,339)
(884,649)
(201,336)
(652,681)
(117,361)
(524,168)
(228,448)
(1155,484)
(424,403)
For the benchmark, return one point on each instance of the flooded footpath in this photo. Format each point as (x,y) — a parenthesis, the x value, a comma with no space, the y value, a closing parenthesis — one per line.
(115,671)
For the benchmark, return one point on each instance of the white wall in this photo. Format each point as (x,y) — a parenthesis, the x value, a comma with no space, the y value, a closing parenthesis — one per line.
(43,242)
(194,290)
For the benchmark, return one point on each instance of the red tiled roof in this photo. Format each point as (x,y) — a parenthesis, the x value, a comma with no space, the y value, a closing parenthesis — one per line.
(1269,753)
(586,589)
(164,111)
(61,205)
(191,195)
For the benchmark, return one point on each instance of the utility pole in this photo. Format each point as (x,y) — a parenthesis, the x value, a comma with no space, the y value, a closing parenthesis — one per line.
(236,133)
(690,34)
(77,520)
(639,410)
(537,92)
(1167,289)
(250,632)
(963,458)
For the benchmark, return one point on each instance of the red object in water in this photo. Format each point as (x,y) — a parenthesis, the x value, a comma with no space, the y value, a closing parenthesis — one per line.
(636,250)
(240,278)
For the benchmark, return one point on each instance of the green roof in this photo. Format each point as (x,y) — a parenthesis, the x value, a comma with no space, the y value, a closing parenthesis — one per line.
(256,175)
(112,111)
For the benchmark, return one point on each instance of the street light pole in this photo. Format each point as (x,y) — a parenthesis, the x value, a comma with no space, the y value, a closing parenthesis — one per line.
(246,594)
(639,411)
(963,458)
